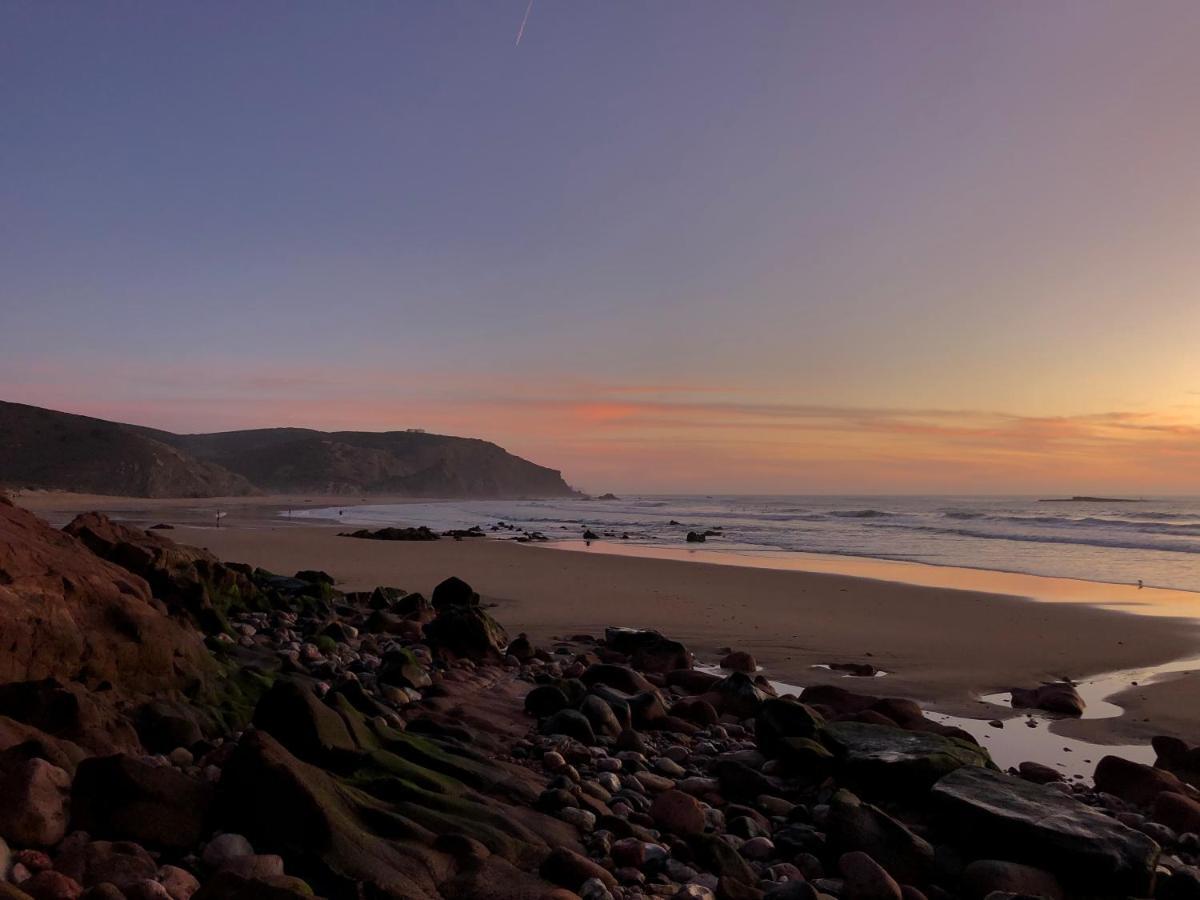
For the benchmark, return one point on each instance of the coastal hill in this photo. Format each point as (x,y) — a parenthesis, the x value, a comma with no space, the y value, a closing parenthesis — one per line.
(49,450)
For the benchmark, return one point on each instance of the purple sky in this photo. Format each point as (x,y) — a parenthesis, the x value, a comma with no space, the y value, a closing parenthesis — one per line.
(660,245)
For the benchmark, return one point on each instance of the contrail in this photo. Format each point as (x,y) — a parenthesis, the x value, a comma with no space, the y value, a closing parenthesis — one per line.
(521,30)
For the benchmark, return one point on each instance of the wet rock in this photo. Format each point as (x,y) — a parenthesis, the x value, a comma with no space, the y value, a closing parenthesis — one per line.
(1059,697)
(33,803)
(601,716)
(623,678)
(985,876)
(1044,827)
(401,667)
(648,651)
(897,760)
(467,632)
(454,593)
(1038,773)
(678,813)
(737,695)
(1136,783)
(739,661)
(788,728)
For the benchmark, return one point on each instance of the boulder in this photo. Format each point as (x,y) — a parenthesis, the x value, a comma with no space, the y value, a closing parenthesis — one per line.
(454,593)
(855,825)
(738,695)
(1059,697)
(1044,827)
(739,661)
(864,879)
(985,876)
(678,813)
(648,651)
(1136,783)
(65,613)
(34,795)
(122,798)
(896,760)
(467,632)
(1177,812)
(622,678)
(780,721)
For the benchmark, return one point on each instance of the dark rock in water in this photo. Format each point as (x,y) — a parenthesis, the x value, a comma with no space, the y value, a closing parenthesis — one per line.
(739,661)
(420,533)
(695,537)
(454,593)
(891,759)
(855,825)
(648,651)
(545,700)
(608,497)
(572,723)
(122,798)
(589,535)
(1044,827)
(858,670)
(1039,773)
(161,526)
(467,633)
(1060,697)
(1136,783)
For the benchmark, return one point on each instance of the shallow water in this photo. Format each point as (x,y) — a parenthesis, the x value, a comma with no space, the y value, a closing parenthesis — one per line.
(1154,539)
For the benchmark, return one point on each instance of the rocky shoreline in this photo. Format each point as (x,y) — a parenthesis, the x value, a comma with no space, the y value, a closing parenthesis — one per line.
(174,726)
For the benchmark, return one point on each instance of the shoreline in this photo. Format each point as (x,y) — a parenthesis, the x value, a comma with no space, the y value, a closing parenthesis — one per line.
(943,645)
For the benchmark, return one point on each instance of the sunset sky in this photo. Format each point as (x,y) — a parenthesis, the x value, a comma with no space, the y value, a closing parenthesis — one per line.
(663,246)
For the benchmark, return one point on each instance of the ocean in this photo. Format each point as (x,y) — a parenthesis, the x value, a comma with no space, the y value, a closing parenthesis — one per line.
(1156,540)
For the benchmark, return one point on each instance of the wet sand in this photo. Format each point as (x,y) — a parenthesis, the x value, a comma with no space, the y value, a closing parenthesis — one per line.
(941,645)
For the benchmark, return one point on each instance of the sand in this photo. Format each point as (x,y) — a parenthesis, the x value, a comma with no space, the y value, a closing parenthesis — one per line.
(942,646)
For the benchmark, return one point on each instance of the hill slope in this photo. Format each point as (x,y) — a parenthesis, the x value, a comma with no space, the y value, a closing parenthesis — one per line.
(44,449)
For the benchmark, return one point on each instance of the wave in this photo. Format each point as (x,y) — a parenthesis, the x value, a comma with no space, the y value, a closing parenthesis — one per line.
(1076,540)
(861,514)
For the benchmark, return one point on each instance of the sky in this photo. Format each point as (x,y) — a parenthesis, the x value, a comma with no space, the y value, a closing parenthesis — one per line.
(769,247)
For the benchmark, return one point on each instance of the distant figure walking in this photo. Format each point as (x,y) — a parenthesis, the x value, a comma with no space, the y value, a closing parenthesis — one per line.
(1139,584)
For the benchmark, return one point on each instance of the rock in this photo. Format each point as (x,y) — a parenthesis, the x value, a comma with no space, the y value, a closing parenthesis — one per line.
(467,632)
(224,848)
(1059,697)
(695,537)
(678,813)
(33,803)
(1136,783)
(51,885)
(852,825)
(567,868)
(784,728)
(163,726)
(984,876)
(119,863)
(123,798)
(897,760)
(1177,811)
(739,661)
(737,695)
(401,667)
(297,718)
(256,867)
(865,879)
(622,678)
(1044,827)
(1038,773)
(180,883)
(420,533)
(600,715)
(454,593)
(571,723)
(545,700)
(96,622)
(717,856)
(648,651)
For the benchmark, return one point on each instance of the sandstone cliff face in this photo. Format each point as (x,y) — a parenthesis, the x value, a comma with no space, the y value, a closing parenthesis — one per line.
(66,613)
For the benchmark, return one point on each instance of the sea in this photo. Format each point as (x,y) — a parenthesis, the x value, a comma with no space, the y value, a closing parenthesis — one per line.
(1155,540)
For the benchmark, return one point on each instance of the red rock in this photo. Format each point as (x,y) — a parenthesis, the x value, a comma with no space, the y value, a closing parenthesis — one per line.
(50,885)
(865,879)
(1136,783)
(739,661)
(678,813)
(567,868)
(33,803)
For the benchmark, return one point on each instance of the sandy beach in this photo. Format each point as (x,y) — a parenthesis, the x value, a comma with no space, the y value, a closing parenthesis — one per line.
(941,645)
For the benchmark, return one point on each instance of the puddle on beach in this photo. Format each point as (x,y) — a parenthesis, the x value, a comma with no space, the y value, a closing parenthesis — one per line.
(1017,742)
